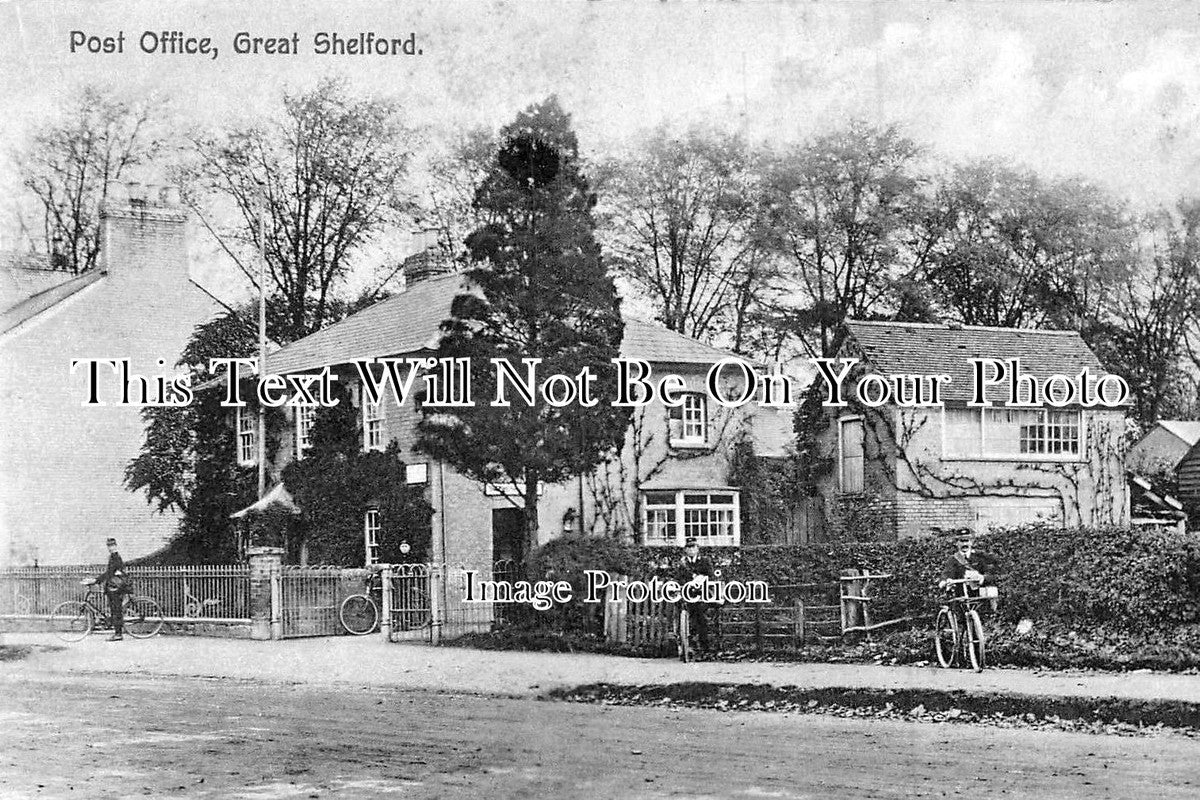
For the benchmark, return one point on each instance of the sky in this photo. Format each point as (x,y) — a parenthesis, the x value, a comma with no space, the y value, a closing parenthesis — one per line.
(1106,90)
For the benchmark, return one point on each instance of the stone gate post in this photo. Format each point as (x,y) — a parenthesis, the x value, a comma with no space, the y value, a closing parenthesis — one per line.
(266,565)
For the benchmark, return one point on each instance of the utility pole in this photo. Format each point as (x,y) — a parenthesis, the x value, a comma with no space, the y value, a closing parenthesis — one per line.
(262,348)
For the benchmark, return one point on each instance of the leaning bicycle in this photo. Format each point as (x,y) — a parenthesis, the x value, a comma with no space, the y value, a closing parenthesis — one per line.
(958,630)
(359,613)
(73,620)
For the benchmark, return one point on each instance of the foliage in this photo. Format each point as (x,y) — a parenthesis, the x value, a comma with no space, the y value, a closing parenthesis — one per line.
(98,137)
(1142,330)
(567,558)
(317,185)
(337,482)
(679,213)
(543,293)
(1015,250)
(844,214)
(188,461)
(769,489)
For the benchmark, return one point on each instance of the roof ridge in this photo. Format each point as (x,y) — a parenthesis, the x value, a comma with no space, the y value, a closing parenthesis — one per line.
(379,304)
(947,326)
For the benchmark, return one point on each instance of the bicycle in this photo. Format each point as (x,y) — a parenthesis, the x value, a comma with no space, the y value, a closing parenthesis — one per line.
(359,613)
(72,620)
(958,629)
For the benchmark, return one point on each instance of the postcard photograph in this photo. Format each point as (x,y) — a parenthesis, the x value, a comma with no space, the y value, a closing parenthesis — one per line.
(599,399)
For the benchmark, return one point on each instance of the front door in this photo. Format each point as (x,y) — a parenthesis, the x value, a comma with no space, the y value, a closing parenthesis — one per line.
(508,535)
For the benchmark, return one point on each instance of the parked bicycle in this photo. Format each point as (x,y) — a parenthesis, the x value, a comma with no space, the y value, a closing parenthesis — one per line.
(359,613)
(72,620)
(958,630)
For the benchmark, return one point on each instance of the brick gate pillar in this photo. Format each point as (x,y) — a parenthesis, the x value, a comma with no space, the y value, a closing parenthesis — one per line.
(266,565)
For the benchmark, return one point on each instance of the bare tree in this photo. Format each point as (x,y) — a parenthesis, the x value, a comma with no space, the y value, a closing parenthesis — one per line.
(448,205)
(1018,250)
(677,216)
(96,138)
(844,213)
(322,181)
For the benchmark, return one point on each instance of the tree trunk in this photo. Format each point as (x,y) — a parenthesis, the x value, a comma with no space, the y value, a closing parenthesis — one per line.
(531,515)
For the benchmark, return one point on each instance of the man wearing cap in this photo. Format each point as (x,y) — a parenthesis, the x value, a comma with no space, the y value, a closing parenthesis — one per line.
(959,567)
(694,569)
(115,585)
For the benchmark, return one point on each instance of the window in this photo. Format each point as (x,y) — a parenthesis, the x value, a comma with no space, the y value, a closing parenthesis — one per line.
(712,518)
(850,454)
(660,518)
(689,421)
(1031,432)
(372,425)
(371,535)
(304,422)
(247,437)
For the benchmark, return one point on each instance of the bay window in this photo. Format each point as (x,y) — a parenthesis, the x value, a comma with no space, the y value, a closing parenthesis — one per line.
(712,518)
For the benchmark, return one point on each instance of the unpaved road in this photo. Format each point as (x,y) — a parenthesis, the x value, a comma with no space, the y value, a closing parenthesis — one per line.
(105,736)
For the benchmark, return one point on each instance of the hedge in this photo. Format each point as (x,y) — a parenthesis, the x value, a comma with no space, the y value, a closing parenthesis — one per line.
(1118,579)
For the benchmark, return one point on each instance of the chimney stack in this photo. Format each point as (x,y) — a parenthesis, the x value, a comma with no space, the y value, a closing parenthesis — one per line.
(143,233)
(427,261)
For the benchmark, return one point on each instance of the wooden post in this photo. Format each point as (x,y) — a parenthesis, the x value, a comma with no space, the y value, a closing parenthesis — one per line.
(799,623)
(851,609)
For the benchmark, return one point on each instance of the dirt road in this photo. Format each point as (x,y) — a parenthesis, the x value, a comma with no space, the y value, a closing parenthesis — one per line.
(113,736)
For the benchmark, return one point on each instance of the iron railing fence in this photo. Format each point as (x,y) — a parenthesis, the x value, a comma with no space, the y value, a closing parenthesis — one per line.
(215,593)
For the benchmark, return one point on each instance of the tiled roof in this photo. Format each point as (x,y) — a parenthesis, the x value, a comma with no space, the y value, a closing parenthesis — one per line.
(1187,431)
(409,322)
(913,348)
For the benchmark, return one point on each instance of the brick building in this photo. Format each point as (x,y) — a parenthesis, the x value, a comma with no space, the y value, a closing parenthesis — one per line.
(671,482)
(897,471)
(63,464)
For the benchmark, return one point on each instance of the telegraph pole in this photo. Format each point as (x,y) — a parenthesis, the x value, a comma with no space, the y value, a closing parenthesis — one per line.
(262,348)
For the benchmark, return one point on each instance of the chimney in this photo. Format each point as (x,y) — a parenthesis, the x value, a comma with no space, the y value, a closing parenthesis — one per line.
(143,233)
(427,261)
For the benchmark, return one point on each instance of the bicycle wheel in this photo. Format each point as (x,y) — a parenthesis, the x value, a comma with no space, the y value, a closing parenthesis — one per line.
(142,617)
(946,637)
(974,637)
(359,614)
(72,620)
(685,635)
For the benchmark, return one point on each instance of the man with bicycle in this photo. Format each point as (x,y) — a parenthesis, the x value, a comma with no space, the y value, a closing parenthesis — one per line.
(959,566)
(695,570)
(116,585)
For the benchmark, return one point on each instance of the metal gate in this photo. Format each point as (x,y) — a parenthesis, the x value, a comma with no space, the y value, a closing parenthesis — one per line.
(310,598)
(412,601)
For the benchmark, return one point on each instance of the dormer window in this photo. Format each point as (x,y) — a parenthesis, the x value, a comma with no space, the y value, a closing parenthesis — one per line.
(689,421)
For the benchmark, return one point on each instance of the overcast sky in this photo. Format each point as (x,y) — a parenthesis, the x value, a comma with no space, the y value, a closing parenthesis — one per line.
(1107,90)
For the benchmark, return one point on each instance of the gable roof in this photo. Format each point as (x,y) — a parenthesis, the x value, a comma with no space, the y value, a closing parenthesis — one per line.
(1185,430)
(410,322)
(24,293)
(925,349)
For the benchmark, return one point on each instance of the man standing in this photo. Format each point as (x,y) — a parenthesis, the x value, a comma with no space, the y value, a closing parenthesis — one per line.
(696,570)
(116,584)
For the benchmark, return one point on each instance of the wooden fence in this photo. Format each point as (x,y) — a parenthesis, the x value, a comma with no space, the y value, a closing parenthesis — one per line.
(798,614)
